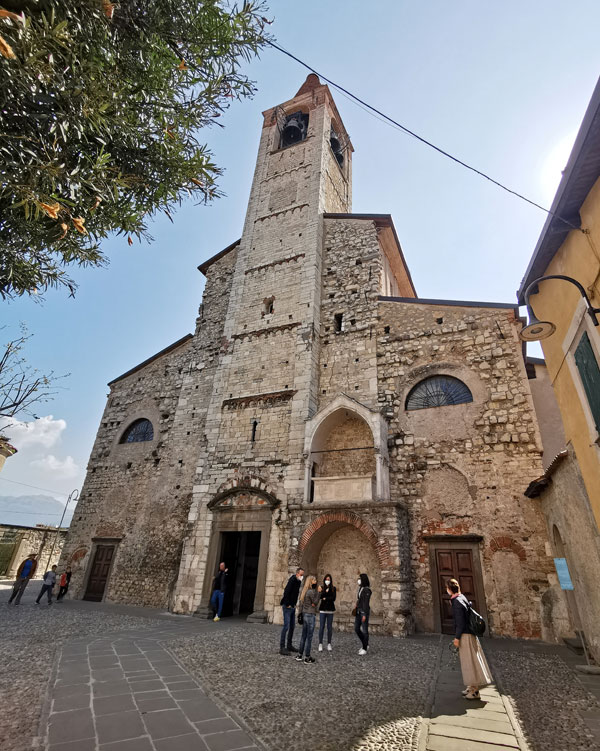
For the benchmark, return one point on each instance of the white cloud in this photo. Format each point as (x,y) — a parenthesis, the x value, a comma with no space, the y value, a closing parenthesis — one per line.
(44,431)
(60,468)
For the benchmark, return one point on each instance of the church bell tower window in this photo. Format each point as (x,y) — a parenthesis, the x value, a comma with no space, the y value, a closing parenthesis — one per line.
(294,129)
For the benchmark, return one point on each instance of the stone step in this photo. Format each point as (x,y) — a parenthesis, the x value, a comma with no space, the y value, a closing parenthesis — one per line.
(473,734)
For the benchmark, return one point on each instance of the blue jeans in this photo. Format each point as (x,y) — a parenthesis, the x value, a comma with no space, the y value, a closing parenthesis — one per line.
(362,629)
(216,601)
(289,615)
(308,628)
(325,618)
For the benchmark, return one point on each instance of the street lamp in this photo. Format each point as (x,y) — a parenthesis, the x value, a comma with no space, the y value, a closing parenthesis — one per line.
(73,496)
(536,329)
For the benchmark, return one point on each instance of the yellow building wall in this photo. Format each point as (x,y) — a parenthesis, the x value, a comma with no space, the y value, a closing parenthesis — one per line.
(557,301)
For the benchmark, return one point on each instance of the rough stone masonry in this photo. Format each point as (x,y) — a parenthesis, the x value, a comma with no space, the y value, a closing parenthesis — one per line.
(321,414)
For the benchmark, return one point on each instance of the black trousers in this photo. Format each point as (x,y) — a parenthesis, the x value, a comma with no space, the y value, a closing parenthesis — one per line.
(362,629)
(62,592)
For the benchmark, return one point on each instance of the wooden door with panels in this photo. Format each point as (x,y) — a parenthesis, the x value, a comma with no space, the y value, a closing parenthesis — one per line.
(454,557)
(455,564)
(99,573)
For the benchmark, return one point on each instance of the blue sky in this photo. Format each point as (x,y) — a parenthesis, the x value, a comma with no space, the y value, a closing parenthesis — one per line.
(503,86)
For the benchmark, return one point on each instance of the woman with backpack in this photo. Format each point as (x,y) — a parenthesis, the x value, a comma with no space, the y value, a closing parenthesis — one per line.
(308,606)
(326,611)
(362,611)
(473,665)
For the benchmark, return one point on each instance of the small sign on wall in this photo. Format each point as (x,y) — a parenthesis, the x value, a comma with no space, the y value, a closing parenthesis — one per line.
(564,577)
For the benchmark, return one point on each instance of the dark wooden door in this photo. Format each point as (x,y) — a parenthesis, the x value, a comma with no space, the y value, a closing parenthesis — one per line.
(455,564)
(99,573)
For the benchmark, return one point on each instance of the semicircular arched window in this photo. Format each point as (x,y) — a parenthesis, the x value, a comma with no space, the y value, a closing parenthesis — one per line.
(438,391)
(139,430)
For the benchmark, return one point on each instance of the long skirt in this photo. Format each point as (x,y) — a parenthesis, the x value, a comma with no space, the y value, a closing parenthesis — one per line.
(473,665)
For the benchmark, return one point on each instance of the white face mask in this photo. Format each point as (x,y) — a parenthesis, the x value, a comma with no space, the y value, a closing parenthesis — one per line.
(300,577)
(327,582)
(359,582)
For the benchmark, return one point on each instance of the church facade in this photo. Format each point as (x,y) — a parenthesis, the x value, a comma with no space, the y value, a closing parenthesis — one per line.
(323,415)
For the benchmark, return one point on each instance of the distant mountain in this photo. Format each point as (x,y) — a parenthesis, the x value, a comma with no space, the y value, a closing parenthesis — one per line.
(29,510)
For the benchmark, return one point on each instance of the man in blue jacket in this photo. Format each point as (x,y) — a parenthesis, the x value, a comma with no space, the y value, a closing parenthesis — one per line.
(288,605)
(218,595)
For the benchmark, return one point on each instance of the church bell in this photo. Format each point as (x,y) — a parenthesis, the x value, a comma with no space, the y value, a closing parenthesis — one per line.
(336,147)
(294,129)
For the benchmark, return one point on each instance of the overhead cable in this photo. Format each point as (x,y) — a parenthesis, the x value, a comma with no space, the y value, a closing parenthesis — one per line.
(403,128)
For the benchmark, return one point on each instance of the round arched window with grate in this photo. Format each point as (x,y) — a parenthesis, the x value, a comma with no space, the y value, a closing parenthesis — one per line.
(438,391)
(138,431)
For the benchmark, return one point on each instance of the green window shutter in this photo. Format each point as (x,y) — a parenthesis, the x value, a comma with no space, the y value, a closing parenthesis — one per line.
(587,365)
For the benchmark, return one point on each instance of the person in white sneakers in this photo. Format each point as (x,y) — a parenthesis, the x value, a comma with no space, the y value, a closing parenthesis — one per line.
(362,611)
(326,611)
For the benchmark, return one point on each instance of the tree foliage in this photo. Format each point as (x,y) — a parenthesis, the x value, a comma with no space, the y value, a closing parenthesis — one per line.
(100,108)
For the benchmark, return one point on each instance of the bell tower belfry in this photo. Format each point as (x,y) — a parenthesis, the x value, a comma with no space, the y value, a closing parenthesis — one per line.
(266,383)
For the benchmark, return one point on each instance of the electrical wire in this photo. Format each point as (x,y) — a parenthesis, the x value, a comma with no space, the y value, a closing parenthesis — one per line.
(35,487)
(404,129)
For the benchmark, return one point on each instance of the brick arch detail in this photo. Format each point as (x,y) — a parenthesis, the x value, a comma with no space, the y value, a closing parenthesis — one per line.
(347,517)
(247,482)
(507,543)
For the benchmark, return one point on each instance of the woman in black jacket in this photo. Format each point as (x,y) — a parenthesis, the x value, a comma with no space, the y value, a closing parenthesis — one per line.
(362,611)
(326,611)
(473,665)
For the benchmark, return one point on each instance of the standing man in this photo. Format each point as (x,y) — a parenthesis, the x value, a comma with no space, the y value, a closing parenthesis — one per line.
(48,585)
(25,572)
(218,595)
(288,605)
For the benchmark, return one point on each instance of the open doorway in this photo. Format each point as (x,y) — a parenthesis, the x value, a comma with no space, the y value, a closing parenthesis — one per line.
(240,552)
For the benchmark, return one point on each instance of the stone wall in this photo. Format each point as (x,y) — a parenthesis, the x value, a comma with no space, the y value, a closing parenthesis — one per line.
(568,511)
(137,495)
(462,469)
(20,541)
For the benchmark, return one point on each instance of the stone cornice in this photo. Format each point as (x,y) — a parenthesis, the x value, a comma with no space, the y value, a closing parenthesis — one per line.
(267,331)
(280,261)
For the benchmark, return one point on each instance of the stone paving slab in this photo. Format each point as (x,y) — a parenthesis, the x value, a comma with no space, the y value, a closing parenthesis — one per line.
(118,693)
(459,724)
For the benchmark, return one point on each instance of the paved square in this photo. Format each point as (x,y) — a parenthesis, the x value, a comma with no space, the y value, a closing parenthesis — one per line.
(133,680)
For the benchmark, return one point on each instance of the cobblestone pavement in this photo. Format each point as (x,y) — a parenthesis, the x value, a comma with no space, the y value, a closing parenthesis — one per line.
(557,707)
(89,677)
(340,702)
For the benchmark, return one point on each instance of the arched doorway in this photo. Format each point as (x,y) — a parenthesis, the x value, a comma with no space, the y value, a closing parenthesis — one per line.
(342,544)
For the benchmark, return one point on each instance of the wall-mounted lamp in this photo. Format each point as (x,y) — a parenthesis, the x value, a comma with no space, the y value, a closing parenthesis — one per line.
(536,329)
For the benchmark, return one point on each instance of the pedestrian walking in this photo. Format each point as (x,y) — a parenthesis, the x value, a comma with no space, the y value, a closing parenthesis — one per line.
(25,574)
(473,665)
(218,595)
(309,603)
(288,605)
(64,582)
(362,612)
(326,611)
(48,585)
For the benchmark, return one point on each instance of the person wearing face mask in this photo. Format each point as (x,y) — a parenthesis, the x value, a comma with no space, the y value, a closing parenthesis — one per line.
(309,603)
(288,605)
(362,611)
(326,611)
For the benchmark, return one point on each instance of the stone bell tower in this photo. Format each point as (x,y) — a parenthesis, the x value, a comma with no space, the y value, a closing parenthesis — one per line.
(265,386)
